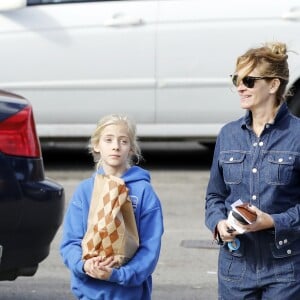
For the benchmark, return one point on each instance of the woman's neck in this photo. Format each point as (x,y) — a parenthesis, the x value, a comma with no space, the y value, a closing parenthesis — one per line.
(262,117)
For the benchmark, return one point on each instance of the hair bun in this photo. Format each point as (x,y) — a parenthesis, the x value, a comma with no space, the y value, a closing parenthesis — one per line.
(278,48)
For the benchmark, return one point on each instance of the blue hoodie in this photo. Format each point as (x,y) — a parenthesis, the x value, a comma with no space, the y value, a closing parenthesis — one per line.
(132,281)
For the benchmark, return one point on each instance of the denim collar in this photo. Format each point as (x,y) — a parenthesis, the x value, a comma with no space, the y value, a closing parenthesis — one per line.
(246,121)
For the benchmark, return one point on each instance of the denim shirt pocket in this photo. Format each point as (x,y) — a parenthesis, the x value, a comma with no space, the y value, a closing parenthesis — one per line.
(280,167)
(232,264)
(232,163)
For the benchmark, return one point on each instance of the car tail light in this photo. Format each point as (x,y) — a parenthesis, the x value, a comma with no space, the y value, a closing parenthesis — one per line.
(18,135)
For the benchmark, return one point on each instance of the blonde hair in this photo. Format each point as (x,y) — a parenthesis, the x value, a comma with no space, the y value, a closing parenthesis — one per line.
(115,119)
(271,61)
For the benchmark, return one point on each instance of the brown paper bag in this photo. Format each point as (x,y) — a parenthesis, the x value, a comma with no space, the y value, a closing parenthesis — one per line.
(111,227)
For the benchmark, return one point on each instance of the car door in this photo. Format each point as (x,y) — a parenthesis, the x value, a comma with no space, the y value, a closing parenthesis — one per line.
(79,61)
(197,46)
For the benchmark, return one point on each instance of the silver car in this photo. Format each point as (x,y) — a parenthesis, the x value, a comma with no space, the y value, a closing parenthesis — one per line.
(166,63)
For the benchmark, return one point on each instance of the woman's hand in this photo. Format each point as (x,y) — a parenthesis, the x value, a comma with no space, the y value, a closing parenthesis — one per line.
(263,221)
(99,268)
(226,232)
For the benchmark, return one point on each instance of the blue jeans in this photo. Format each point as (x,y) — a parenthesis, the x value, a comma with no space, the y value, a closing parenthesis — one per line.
(252,272)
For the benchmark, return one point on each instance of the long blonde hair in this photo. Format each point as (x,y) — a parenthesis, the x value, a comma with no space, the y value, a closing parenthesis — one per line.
(115,119)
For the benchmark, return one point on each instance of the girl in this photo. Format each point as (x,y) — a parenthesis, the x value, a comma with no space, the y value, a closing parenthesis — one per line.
(114,145)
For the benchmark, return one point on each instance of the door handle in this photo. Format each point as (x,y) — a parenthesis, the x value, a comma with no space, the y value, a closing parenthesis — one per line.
(292,15)
(121,20)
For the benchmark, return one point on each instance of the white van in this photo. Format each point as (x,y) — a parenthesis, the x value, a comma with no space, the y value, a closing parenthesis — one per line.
(165,63)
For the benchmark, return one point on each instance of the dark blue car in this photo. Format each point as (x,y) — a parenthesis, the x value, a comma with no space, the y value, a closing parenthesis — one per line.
(31,206)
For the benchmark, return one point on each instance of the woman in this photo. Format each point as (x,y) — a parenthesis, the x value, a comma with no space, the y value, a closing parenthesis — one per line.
(257,161)
(98,277)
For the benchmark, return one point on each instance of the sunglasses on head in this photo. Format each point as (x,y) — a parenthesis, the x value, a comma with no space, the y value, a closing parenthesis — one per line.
(248,81)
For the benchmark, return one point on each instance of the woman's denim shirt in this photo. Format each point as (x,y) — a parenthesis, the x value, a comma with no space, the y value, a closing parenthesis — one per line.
(264,171)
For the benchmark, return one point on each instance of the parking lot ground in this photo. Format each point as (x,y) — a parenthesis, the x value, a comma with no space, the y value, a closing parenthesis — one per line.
(187,268)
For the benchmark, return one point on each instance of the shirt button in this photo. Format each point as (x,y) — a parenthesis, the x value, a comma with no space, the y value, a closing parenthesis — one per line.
(254,170)
(267,126)
(231,159)
(261,144)
(289,251)
(280,243)
(254,197)
(254,144)
(285,241)
(280,160)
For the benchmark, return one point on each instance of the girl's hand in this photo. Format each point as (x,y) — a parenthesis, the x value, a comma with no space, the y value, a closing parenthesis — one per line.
(99,268)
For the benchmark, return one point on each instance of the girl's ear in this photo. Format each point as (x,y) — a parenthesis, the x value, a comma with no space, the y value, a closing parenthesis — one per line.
(96,149)
(130,154)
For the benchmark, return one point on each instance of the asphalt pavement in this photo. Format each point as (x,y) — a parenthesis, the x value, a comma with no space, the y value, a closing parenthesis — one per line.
(187,268)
